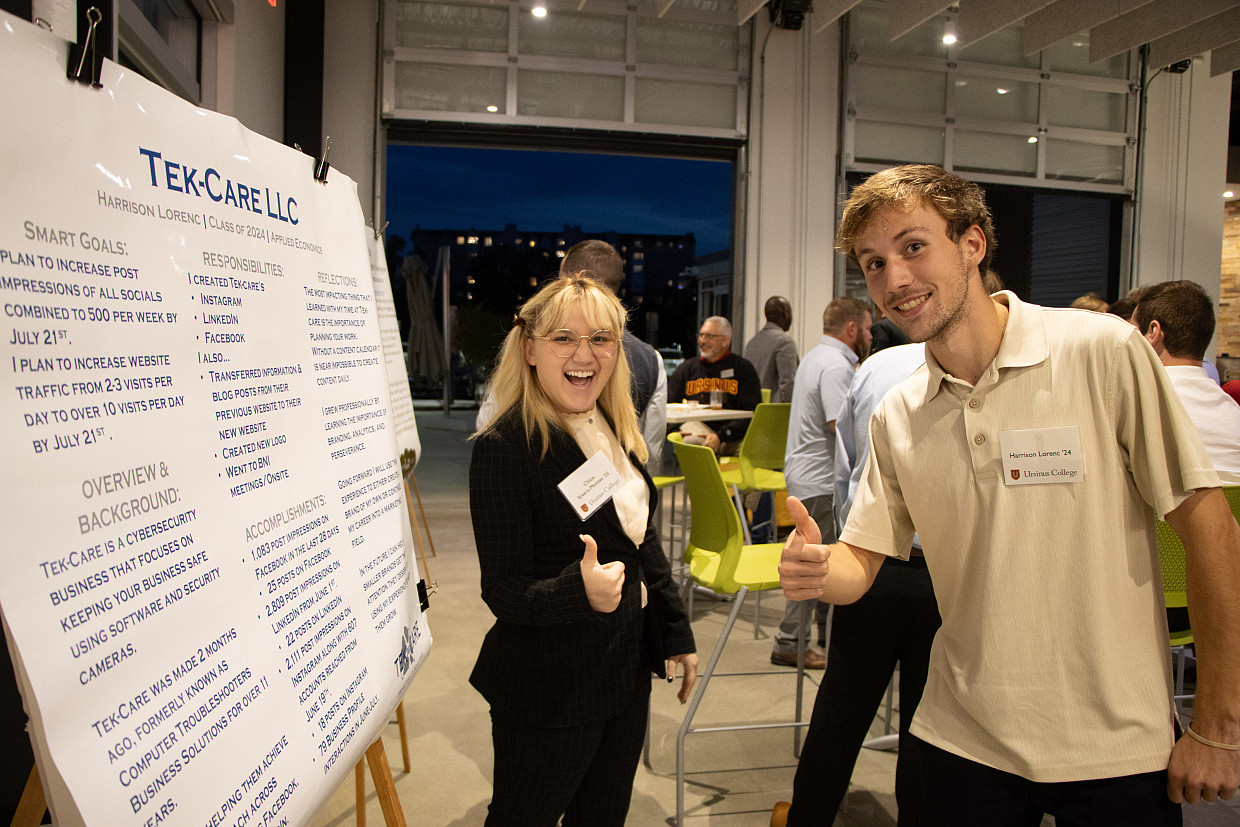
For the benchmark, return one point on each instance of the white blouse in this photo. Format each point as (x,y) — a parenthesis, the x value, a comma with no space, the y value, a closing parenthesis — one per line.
(632,498)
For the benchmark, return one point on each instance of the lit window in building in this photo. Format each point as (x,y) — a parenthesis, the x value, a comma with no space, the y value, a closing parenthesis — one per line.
(559,242)
(533,281)
(637,268)
(531,242)
(638,256)
(559,254)
(460,239)
(469,280)
(519,241)
(473,239)
(486,242)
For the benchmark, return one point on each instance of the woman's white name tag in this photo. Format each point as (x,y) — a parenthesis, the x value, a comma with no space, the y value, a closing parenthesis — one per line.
(1038,456)
(591,485)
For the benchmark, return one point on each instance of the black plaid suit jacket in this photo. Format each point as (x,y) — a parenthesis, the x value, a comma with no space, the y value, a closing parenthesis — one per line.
(550,660)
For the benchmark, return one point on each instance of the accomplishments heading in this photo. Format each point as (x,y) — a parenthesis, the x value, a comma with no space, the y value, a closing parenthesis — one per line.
(180,177)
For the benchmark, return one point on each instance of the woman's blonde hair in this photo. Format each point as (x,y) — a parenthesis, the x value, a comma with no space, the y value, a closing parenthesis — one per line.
(515,388)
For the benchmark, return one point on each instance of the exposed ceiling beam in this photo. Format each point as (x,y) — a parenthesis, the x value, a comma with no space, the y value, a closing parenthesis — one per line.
(907,15)
(1148,23)
(1067,17)
(826,12)
(980,18)
(746,9)
(1225,59)
(664,6)
(1219,30)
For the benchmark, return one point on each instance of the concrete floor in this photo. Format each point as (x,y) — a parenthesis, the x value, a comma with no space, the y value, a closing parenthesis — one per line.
(736,776)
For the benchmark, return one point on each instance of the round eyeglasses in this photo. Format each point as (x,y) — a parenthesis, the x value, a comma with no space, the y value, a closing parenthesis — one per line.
(564,343)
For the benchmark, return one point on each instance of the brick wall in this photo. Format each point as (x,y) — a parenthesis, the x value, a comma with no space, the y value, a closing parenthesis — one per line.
(1228,328)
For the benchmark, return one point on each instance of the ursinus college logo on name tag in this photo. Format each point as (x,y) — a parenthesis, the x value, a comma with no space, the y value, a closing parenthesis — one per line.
(591,485)
(1042,456)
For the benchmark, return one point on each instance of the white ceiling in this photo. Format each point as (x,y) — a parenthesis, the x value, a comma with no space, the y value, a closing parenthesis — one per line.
(1174,29)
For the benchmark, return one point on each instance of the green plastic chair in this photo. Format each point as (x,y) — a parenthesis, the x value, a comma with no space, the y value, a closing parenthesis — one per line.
(1173,562)
(766,394)
(1171,559)
(719,560)
(675,521)
(761,456)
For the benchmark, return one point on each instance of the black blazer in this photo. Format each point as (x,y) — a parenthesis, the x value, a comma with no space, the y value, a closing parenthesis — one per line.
(550,660)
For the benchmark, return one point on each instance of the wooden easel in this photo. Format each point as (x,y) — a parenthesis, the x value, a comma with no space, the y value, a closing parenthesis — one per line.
(32,804)
(414,520)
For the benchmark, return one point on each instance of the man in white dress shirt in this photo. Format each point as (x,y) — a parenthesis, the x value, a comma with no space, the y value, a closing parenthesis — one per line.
(1177,318)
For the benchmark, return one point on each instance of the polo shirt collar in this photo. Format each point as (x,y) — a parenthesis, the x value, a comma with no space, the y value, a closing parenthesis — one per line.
(849,353)
(1023,344)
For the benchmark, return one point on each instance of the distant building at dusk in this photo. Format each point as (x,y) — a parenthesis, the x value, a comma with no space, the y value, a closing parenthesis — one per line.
(499,269)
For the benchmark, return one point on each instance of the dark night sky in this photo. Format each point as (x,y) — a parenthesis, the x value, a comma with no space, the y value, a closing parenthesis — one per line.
(463,188)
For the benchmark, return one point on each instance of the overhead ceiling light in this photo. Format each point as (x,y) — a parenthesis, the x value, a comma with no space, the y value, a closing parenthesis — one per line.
(1002,91)
(492,108)
(1033,139)
(1229,194)
(539,11)
(949,28)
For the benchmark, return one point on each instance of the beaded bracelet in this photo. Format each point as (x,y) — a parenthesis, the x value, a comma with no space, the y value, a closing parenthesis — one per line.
(1209,743)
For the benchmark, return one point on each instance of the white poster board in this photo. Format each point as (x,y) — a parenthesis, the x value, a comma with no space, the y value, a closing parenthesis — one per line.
(407,439)
(208,578)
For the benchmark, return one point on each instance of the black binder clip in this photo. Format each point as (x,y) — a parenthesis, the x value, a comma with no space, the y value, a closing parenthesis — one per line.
(320,164)
(78,54)
(424,595)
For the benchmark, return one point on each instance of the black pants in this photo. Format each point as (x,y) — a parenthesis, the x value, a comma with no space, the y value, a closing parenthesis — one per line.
(958,791)
(584,773)
(894,621)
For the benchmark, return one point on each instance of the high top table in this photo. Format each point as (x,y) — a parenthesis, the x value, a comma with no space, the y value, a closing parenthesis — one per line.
(678,412)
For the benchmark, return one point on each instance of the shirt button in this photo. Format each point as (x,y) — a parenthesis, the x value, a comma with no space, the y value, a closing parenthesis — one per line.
(979,439)
(973,403)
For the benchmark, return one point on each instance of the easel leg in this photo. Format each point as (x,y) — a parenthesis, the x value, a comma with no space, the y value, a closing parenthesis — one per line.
(417,531)
(359,781)
(385,787)
(404,739)
(31,806)
(422,511)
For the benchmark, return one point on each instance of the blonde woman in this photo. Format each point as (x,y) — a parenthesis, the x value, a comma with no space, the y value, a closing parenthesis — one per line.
(572,567)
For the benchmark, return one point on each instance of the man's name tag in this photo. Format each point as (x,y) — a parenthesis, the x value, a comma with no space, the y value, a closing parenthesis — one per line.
(727,373)
(591,485)
(1038,456)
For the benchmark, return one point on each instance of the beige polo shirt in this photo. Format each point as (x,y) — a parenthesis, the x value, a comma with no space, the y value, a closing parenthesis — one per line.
(1052,661)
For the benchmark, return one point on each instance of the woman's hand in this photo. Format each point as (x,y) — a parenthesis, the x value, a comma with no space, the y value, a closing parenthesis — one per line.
(690,662)
(603,582)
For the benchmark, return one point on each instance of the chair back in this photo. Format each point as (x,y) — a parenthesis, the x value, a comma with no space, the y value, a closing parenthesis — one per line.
(766,394)
(765,441)
(1232,493)
(715,538)
(1172,560)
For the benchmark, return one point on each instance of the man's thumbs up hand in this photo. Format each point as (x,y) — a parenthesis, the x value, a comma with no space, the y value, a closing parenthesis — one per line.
(603,582)
(803,563)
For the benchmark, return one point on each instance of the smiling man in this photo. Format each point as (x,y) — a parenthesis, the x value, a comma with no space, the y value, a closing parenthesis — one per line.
(718,368)
(1030,453)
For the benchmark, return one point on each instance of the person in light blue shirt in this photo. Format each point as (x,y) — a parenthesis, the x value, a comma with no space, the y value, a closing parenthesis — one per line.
(822,380)
(894,622)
